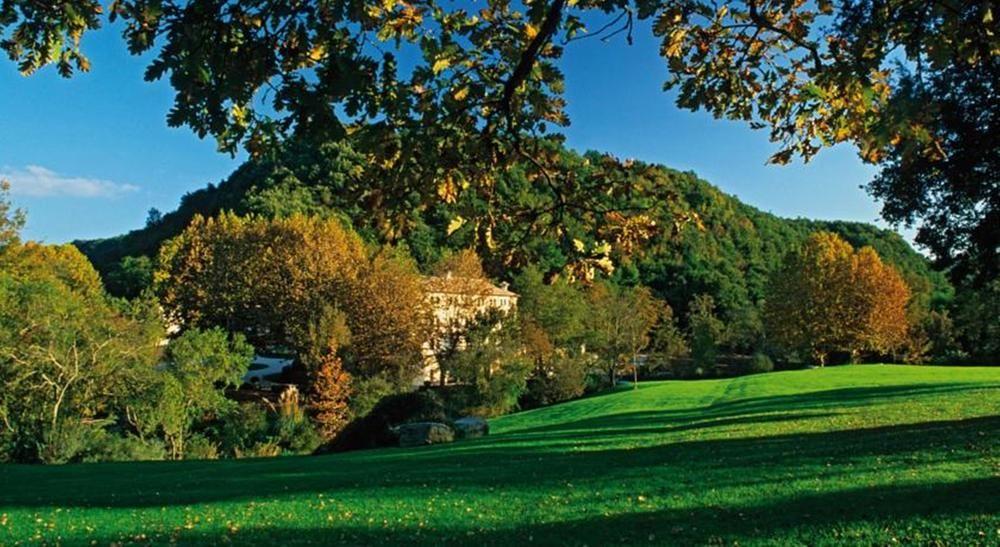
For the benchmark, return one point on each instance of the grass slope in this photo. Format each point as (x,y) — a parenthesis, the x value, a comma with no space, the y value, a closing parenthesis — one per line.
(863,454)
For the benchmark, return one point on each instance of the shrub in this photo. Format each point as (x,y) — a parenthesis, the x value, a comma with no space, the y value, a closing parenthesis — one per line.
(499,394)
(243,428)
(64,443)
(296,436)
(251,431)
(688,368)
(368,392)
(199,447)
(264,449)
(291,429)
(375,429)
(111,447)
(761,363)
(563,379)
(77,442)
(331,388)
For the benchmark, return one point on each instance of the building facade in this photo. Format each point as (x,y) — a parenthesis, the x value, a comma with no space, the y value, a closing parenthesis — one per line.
(454,301)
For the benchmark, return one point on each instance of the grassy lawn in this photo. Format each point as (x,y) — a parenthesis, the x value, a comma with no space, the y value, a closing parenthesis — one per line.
(860,454)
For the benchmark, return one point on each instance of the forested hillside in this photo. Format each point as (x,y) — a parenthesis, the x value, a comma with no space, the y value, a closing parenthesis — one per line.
(726,251)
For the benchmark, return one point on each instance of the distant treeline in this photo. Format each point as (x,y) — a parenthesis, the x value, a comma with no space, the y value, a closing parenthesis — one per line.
(727,252)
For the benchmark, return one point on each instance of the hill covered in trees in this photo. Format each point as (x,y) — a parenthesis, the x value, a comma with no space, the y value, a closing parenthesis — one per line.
(727,249)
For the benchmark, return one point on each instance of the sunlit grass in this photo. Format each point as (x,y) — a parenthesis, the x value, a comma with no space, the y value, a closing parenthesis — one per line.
(861,454)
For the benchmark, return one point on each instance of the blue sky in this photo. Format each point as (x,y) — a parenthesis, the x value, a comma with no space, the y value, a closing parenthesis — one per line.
(90,155)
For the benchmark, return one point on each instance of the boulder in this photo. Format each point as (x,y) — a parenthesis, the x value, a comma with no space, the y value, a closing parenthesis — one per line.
(421,433)
(471,427)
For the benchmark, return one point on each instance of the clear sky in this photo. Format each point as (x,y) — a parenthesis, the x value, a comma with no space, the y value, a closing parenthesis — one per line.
(90,155)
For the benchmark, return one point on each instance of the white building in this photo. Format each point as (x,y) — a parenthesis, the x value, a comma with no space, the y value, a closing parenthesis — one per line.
(455,300)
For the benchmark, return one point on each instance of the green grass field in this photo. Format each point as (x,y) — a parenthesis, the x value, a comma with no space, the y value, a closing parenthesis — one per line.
(859,454)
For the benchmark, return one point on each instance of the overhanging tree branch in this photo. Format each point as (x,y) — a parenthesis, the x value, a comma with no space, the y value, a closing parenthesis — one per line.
(530,55)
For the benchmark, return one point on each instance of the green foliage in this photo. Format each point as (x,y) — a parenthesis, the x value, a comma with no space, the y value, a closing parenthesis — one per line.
(744,331)
(481,90)
(619,323)
(326,333)
(760,362)
(559,308)
(130,277)
(977,324)
(492,363)
(553,320)
(199,366)
(200,447)
(11,219)
(69,357)
(296,434)
(367,392)
(76,441)
(34,35)
(950,190)
(243,428)
(807,72)
(562,377)
(248,430)
(668,343)
(706,332)
(203,360)
(729,251)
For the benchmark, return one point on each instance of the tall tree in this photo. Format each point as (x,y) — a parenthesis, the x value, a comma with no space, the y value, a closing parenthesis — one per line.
(199,366)
(953,189)
(880,297)
(976,316)
(620,322)
(553,320)
(706,331)
(276,280)
(11,219)
(492,363)
(668,343)
(559,308)
(68,354)
(130,277)
(389,318)
(806,308)
(329,397)
(828,298)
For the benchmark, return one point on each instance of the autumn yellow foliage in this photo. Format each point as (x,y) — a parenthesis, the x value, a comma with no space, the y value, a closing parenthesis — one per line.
(275,280)
(829,298)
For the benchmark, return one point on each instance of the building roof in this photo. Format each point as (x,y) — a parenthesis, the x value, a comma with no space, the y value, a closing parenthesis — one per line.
(453,284)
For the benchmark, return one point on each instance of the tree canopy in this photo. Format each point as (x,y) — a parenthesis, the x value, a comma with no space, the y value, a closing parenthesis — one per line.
(275,280)
(441,99)
(827,298)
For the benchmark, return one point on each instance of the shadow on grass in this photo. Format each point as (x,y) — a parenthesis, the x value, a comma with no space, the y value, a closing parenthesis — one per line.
(833,399)
(474,466)
(958,511)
